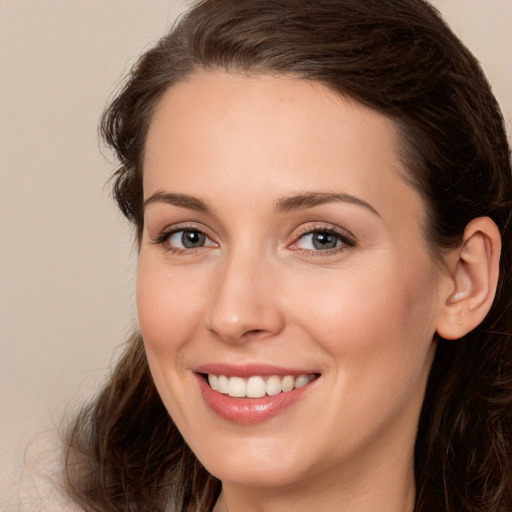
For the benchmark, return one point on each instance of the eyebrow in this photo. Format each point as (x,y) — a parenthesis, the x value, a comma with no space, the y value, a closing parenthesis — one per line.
(181,200)
(311,199)
(282,205)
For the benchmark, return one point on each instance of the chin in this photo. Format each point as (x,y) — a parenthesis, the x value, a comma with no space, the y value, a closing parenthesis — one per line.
(252,461)
(256,470)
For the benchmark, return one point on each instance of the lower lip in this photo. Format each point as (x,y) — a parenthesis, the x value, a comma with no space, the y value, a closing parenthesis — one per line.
(249,410)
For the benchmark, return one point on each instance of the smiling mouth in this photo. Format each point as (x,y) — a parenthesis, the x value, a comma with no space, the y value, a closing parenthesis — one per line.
(258,386)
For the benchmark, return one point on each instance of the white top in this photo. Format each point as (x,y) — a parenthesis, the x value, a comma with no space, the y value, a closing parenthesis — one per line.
(34,483)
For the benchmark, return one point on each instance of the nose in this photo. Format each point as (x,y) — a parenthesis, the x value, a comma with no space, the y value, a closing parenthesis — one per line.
(245,302)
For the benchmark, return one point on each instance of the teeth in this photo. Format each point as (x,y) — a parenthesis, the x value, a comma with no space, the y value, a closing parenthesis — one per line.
(301,380)
(223,385)
(288,383)
(236,387)
(213,380)
(273,385)
(257,387)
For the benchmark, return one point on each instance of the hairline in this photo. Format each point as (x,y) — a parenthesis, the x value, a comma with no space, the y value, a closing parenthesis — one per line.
(404,148)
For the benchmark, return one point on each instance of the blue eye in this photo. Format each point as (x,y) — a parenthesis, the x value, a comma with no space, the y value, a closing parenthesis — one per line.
(322,240)
(188,239)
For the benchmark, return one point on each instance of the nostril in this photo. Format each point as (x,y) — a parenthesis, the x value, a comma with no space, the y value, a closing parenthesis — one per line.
(252,332)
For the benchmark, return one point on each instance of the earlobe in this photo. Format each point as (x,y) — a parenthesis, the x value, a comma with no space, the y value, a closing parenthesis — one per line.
(473,272)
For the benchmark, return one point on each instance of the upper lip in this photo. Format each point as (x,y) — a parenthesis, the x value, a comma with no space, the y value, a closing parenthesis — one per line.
(250,369)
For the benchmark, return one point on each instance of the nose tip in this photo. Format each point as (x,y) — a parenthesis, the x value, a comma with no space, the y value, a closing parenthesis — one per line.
(244,306)
(237,330)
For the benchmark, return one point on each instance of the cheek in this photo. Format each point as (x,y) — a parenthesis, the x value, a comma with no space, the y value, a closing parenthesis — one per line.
(168,311)
(374,321)
(378,335)
(168,305)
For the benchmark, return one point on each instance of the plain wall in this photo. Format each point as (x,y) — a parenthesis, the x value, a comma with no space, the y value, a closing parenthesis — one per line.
(66,259)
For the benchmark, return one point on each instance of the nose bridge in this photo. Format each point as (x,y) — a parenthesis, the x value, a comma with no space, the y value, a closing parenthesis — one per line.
(244,301)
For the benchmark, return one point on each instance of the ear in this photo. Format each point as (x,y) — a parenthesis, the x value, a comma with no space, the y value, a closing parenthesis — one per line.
(473,270)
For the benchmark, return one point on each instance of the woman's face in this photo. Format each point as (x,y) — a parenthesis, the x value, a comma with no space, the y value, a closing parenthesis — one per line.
(283,247)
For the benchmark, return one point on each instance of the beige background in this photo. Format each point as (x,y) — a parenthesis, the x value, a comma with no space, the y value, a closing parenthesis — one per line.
(66,263)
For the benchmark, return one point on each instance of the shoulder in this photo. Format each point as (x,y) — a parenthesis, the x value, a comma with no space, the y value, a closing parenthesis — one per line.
(36,483)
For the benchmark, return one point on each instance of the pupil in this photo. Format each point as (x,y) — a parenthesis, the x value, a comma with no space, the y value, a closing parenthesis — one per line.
(192,239)
(324,241)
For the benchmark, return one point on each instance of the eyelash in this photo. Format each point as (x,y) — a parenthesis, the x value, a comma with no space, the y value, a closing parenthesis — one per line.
(346,240)
(163,238)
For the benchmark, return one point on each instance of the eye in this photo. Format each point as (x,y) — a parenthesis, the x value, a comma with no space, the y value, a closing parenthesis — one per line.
(322,240)
(188,239)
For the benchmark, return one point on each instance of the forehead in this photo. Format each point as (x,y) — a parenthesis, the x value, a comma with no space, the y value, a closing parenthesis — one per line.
(273,135)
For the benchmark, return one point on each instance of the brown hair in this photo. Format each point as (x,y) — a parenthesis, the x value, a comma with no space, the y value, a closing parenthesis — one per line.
(400,58)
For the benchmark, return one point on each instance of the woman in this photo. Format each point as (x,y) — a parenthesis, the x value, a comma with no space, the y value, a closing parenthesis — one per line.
(321,192)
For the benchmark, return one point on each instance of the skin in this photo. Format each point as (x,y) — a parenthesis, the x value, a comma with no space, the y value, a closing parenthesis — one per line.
(362,315)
